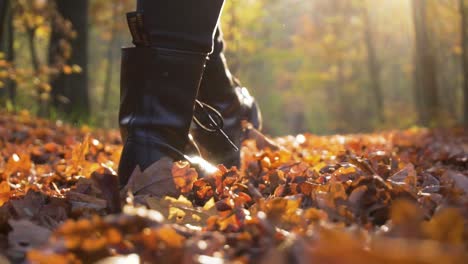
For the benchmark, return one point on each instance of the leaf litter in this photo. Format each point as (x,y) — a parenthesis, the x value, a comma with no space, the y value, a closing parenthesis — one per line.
(390,197)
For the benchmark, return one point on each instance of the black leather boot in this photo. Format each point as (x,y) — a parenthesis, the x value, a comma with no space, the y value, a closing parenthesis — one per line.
(222,91)
(158,90)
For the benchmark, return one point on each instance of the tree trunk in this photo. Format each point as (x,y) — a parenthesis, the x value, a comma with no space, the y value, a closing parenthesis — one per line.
(373,66)
(298,122)
(109,67)
(4,8)
(425,74)
(464,37)
(42,102)
(8,92)
(70,92)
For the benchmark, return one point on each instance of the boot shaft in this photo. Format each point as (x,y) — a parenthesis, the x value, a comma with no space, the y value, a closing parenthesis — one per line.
(158,91)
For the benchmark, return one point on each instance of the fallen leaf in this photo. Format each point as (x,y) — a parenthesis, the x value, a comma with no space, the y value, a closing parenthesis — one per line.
(4,192)
(446,226)
(156,180)
(25,236)
(460,181)
(108,184)
(28,206)
(184,176)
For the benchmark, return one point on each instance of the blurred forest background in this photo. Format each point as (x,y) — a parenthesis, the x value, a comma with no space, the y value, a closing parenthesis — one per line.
(321,66)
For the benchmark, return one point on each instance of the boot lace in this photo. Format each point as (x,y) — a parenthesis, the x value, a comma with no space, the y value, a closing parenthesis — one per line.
(211,120)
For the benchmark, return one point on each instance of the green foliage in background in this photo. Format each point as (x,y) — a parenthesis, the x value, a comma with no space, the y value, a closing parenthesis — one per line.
(321,66)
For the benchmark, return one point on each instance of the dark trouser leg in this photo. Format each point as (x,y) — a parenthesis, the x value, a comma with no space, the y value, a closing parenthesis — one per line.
(181,24)
(217,80)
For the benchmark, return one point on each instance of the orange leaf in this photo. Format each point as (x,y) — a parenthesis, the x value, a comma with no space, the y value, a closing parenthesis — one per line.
(184,176)
(4,192)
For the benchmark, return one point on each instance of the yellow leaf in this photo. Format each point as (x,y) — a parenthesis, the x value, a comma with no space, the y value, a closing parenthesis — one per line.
(3,74)
(42,31)
(77,68)
(177,214)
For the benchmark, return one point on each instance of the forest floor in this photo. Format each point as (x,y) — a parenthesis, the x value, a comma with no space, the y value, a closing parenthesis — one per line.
(390,197)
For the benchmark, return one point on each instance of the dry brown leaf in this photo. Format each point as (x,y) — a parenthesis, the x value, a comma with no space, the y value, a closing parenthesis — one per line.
(28,206)
(262,141)
(25,236)
(156,180)
(460,181)
(81,201)
(108,184)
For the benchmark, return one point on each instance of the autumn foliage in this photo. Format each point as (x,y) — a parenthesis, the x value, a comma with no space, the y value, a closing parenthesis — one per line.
(392,197)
